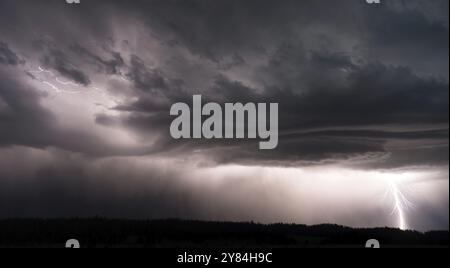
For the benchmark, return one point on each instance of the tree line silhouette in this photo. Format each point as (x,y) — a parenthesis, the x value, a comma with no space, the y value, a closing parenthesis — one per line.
(100,232)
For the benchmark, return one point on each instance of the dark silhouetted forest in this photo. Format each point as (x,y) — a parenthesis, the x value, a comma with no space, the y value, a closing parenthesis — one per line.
(103,233)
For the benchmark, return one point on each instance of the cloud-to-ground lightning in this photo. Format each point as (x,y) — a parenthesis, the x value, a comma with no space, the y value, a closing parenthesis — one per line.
(401,204)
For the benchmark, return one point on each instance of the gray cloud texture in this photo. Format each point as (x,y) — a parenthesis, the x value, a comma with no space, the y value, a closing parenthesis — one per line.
(359,86)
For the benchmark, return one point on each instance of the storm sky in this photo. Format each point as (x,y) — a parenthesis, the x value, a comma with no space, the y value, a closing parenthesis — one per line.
(363,91)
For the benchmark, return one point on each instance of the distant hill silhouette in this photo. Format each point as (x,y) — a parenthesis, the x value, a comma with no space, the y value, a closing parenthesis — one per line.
(99,232)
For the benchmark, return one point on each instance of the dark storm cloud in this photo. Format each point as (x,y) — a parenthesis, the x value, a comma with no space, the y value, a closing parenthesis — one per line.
(58,61)
(225,30)
(373,95)
(108,66)
(415,155)
(7,56)
(235,60)
(367,76)
(410,37)
(144,78)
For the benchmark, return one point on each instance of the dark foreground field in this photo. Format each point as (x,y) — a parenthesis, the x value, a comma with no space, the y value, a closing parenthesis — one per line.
(195,234)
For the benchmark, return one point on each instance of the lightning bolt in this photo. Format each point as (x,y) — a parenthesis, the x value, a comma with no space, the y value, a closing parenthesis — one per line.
(52,85)
(67,83)
(61,86)
(401,204)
